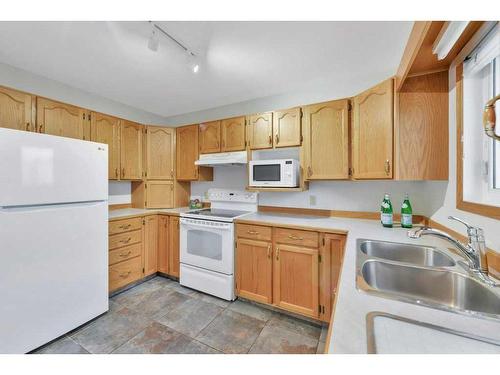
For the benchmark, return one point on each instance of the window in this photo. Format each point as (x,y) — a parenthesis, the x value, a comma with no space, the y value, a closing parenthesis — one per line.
(480,153)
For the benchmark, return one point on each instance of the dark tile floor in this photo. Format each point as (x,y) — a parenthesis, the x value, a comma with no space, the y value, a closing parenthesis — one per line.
(161,316)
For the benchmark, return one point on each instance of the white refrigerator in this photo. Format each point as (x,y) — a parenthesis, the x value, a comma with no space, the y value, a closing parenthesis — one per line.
(53,237)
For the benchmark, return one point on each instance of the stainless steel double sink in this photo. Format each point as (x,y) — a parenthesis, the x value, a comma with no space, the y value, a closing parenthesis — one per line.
(422,275)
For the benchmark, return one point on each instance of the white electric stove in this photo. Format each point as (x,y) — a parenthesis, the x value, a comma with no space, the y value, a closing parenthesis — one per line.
(207,242)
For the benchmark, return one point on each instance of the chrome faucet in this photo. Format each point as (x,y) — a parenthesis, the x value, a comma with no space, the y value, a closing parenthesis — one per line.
(474,251)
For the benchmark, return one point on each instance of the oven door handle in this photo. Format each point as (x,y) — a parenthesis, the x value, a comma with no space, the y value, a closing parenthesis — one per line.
(208,227)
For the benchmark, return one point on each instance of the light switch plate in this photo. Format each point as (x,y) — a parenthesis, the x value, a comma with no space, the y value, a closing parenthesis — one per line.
(312,200)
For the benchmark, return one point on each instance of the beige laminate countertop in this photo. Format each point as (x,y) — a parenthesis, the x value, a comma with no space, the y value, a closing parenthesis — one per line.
(125,213)
(352,306)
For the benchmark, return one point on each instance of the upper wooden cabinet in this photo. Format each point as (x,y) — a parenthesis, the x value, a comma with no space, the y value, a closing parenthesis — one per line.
(233,134)
(16,110)
(326,140)
(210,137)
(187,140)
(131,150)
(62,119)
(160,154)
(260,131)
(106,129)
(287,127)
(373,127)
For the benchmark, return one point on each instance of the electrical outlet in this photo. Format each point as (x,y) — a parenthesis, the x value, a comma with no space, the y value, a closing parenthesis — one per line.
(312,200)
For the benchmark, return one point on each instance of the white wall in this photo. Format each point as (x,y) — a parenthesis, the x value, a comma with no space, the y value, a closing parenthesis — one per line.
(23,80)
(490,226)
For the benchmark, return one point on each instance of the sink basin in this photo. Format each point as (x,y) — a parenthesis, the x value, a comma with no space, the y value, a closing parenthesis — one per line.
(439,288)
(406,253)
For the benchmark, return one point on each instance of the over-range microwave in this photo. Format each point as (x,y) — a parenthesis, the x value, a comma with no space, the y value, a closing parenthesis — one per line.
(274,173)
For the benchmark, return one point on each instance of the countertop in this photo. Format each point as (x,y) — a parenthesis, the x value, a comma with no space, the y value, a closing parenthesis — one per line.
(352,306)
(125,213)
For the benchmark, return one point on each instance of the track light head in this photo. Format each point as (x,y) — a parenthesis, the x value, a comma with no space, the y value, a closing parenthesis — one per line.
(194,63)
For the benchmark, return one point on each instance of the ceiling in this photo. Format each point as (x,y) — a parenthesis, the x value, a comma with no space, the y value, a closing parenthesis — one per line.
(241,60)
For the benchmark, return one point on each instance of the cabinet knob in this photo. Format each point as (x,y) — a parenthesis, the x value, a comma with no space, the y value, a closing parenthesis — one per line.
(269,251)
(277,138)
(123,172)
(27,126)
(277,253)
(309,171)
(116,172)
(40,129)
(270,139)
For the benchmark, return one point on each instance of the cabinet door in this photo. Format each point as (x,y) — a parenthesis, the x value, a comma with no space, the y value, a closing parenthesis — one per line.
(260,131)
(151,245)
(159,194)
(332,254)
(287,128)
(254,266)
(62,119)
(326,140)
(159,153)
(131,151)
(16,109)
(295,279)
(233,134)
(163,244)
(373,132)
(174,255)
(209,137)
(106,129)
(187,153)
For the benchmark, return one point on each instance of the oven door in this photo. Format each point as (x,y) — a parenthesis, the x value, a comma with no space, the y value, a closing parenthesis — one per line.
(207,244)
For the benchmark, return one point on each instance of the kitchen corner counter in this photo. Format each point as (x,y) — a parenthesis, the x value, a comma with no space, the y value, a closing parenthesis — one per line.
(348,334)
(125,213)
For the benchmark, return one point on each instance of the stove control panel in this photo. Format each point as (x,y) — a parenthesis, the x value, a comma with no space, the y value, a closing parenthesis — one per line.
(227,195)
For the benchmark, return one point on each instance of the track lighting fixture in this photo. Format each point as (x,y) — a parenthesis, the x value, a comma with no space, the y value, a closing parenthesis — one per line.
(154,41)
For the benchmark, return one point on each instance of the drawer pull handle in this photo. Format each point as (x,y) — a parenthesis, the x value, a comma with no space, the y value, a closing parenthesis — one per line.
(125,274)
(125,226)
(123,255)
(387,167)
(295,238)
(126,241)
(252,232)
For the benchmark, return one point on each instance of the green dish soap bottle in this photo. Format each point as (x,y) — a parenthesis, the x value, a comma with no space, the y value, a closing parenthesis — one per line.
(386,213)
(406,213)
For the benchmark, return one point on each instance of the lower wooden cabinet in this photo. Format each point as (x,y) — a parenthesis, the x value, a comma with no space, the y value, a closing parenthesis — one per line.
(124,273)
(163,243)
(295,279)
(150,245)
(174,254)
(295,270)
(254,266)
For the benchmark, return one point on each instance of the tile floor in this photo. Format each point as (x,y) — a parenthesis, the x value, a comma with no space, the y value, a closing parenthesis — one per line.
(161,316)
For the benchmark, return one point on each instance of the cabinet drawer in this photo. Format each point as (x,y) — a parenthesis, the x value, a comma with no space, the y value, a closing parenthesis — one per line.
(124,253)
(125,239)
(126,225)
(254,232)
(124,273)
(296,237)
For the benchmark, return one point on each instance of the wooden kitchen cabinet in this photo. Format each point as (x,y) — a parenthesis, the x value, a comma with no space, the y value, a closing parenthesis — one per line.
(187,145)
(372,133)
(326,140)
(296,279)
(260,131)
(233,137)
(254,265)
(331,255)
(131,150)
(17,110)
(150,245)
(210,137)
(174,251)
(293,269)
(61,119)
(163,244)
(153,194)
(106,129)
(160,153)
(287,127)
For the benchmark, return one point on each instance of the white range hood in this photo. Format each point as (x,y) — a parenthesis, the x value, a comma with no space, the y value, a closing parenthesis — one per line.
(222,159)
